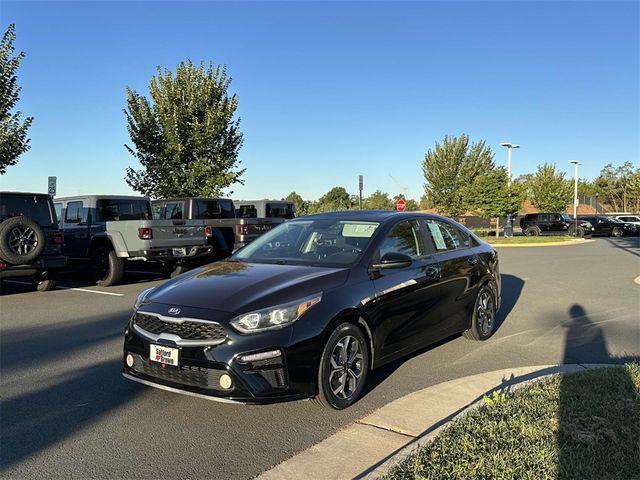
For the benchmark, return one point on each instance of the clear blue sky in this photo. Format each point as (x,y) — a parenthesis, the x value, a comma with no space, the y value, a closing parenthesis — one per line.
(331,90)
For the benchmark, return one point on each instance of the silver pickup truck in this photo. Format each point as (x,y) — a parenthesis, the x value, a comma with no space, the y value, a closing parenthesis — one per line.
(108,231)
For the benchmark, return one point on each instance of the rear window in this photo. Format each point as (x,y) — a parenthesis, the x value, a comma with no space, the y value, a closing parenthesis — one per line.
(115,210)
(36,207)
(280,210)
(214,209)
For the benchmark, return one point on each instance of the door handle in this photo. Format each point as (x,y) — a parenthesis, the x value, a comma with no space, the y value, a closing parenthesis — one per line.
(472,260)
(432,272)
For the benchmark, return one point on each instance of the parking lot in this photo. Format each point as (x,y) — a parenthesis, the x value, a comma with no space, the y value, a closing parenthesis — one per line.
(68,412)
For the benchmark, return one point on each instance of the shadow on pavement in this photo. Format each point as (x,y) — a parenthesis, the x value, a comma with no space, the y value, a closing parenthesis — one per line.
(628,244)
(511,290)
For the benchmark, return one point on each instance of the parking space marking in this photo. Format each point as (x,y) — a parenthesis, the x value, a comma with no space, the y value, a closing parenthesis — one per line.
(73,288)
(637,280)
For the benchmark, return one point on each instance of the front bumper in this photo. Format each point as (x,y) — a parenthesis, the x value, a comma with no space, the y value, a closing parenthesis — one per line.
(289,376)
(45,263)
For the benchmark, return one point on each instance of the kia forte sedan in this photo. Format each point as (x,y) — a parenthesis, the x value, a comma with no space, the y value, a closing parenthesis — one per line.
(311,307)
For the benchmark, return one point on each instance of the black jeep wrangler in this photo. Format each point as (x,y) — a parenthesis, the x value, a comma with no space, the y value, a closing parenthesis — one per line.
(30,239)
(554,224)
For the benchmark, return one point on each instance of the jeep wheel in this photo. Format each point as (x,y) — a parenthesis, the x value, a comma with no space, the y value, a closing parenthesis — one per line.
(107,267)
(44,285)
(21,240)
(532,231)
(572,231)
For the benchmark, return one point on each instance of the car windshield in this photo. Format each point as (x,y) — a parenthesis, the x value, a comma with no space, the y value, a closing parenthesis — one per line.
(322,242)
(566,217)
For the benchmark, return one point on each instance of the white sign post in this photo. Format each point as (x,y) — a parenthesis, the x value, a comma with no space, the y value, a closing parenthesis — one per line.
(52,186)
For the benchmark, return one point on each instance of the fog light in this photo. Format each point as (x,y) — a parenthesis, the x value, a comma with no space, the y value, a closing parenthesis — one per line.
(129,360)
(225,381)
(256,357)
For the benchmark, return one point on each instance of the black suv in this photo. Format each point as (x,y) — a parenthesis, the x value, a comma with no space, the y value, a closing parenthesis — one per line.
(611,227)
(30,239)
(554,224)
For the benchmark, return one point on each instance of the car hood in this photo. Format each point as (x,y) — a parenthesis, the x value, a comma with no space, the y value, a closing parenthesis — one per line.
(238,287)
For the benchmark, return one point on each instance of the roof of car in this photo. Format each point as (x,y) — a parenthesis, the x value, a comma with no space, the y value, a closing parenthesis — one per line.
(21,193)
(370,215)
(115,197)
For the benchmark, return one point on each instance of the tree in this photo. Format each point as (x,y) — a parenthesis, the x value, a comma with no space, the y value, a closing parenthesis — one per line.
(13,130)
(549,190)
(301,205)
(378,200)
(490,195)
(449,167)
(619,186)
(336,199)
(185,137)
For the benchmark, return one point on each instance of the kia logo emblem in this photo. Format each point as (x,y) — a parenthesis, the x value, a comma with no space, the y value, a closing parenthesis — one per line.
(174,311)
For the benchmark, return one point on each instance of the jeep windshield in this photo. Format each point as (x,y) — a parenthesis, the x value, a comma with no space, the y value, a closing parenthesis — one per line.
(566,217)
(324,242)
(36,207)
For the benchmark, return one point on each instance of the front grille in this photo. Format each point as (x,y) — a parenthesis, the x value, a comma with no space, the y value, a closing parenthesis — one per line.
(185,329)
(186,375)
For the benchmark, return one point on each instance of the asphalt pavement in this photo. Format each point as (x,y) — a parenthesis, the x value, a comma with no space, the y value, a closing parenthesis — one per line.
(66,412)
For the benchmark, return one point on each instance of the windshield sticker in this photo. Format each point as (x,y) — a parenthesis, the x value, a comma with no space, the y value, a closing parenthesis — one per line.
(437,236)
(361,230)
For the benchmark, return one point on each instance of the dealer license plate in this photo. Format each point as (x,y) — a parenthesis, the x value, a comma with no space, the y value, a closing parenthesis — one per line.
(179,252)
(161,354)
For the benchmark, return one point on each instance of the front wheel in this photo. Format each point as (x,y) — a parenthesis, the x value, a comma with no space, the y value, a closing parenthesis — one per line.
(44,285)
(344,367)
(616,232)
(483,318)
(532,231)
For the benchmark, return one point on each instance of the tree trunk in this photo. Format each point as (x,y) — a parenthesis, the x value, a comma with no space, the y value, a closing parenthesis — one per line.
(497,226)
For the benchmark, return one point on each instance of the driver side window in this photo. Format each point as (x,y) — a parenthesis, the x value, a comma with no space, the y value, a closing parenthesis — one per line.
(405,238)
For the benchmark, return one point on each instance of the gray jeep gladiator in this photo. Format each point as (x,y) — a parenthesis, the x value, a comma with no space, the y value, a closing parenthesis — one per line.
(105,231)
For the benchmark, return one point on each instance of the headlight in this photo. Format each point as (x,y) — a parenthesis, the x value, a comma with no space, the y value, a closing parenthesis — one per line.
(274,317)
(142,296)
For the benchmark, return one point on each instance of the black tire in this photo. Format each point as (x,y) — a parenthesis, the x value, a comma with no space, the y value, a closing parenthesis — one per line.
(483,318)
(572,231)
(107,267)
(45,285)
(21,240)
(340,391)
(532,231)
(617,232)
(171,270)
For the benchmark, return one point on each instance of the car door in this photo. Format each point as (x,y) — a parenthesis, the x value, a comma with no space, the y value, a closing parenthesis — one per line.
(460,273)
(404,310)
(555,223)
(76,230)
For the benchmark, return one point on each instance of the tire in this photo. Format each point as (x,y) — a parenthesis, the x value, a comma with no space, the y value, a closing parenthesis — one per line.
(170,270)
(45,285)
(341,385)
(572,231)
(107,267)
(617,232)
(483,318)
(21,240)
(532,231)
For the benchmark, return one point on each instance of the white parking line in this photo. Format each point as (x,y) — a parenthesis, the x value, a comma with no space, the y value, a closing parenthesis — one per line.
(637,280)
(72,288)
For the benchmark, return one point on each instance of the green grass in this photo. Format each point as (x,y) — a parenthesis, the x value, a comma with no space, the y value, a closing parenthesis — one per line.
(578,426)
(522,239)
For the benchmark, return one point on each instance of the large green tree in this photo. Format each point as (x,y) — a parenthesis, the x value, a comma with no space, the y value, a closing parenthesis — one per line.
(185,136)
(620,186)
(491,196)
(378,200)
(549,190)
(450,166)
(336,199)
(13,129)
(301,205)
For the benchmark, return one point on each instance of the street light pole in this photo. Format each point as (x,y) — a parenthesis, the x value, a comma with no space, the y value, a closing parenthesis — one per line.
(508,229)
(575,194)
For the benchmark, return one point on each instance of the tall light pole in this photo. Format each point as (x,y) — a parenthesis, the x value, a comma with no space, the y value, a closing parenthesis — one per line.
(575,194)
(508,229)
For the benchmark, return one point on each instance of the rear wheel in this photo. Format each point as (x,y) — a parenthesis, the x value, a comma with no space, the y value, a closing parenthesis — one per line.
(532,231)
(107,267)
(483,318)
(616,232)
(44,285)
(344,367)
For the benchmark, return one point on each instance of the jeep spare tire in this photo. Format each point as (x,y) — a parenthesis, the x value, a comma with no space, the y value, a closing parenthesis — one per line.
(21,240)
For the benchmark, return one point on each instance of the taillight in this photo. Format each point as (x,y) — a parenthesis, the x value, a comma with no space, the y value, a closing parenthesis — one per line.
(208,231)
(243,229)
(145,233)
(58,238)
(3,265)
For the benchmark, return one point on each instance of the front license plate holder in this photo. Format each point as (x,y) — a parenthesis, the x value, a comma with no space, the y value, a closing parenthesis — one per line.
(166,356)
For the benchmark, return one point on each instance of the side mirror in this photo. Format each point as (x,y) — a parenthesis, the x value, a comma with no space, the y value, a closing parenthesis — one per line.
(393,260)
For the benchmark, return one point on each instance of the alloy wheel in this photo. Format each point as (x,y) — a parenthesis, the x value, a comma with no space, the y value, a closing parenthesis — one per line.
(23,240)
(485,312)
(346,367)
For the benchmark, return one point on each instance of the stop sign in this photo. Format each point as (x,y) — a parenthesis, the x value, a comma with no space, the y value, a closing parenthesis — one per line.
(401,205)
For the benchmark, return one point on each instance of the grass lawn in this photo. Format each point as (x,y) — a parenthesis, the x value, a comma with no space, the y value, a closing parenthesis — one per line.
(522,239)
(578,426)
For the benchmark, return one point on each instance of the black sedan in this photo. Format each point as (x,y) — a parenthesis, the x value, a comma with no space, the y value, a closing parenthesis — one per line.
(309,308)
(611,227)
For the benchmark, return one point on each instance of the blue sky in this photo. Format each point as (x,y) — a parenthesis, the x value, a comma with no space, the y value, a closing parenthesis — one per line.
(331,90)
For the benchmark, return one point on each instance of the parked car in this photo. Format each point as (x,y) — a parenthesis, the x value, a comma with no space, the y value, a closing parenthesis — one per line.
(265,209)
(635,219)
(309,308)
(30,240)
(554,224)
(106,231)
(611,227)
(225,232)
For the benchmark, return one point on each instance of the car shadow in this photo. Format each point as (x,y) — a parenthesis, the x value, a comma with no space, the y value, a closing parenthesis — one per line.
(628,244)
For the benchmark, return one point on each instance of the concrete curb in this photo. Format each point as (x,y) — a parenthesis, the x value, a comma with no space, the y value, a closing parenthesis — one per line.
(372,446)
(548,244)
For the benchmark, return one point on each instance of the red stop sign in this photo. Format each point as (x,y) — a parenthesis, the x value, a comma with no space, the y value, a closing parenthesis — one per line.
(401,205)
